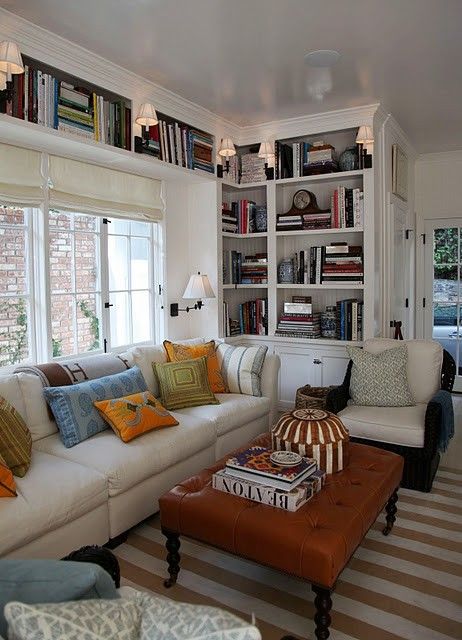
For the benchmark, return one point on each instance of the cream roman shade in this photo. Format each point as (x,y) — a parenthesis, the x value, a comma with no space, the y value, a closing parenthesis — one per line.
(87,188)
(20,177)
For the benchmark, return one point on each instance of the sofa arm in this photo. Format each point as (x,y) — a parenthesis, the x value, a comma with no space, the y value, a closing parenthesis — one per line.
(270,384)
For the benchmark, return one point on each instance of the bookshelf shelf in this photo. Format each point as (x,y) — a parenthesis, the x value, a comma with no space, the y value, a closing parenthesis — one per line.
(337,176)
(321,287)
(35,136)
(317,232)
(227,234)
(248,185)
(245,286)
(301,341)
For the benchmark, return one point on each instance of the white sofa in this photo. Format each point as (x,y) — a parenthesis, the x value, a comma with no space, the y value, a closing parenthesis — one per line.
(98,489)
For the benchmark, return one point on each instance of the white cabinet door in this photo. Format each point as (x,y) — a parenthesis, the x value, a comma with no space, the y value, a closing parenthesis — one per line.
(297,369)
(333,368)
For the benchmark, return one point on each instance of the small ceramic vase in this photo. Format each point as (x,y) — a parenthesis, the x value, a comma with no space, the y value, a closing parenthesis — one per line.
(286,271)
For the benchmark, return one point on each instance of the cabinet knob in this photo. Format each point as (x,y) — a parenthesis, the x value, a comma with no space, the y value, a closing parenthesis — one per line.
(316,361)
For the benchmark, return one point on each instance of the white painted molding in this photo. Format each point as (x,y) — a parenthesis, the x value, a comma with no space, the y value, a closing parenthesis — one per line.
(440,156)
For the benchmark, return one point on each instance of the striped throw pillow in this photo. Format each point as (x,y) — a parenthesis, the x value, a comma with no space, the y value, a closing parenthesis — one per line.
(241,368)
(15,439)
(184,384)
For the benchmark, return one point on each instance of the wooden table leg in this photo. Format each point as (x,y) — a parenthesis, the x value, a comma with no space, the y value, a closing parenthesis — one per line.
(322,619)
(391,510)
(173,557)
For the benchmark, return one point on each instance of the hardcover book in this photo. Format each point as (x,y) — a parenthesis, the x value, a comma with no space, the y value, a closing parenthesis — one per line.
(255,463)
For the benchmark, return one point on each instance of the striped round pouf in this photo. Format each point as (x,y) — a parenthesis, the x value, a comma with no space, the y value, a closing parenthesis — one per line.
(313,433)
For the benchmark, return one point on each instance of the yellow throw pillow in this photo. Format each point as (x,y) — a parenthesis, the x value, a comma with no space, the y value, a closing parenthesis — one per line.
(7,483)
(15,439)
(178,352)
(134,415)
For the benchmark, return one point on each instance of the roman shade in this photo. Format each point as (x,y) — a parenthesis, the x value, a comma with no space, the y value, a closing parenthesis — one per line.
(20,176)
(87,188)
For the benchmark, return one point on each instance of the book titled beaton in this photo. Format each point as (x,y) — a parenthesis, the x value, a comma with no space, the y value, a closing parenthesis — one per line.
(288,500)
(254,464)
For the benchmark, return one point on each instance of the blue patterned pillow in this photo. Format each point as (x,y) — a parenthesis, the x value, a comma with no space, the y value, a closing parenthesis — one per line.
(73,409)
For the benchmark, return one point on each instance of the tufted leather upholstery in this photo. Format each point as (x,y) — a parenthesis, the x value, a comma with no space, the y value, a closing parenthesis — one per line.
(313,543)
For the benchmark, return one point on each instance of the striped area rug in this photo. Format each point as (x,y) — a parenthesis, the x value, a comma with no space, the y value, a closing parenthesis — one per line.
(408,585)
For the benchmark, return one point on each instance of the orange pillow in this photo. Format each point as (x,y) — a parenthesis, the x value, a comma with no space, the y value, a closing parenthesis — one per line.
(177,352)
(7,483)
(134,415)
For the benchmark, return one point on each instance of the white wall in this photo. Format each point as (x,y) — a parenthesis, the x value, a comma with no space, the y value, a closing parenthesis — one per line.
(438,181)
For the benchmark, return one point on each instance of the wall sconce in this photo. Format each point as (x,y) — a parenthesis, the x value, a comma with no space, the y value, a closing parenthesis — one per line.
(364,137)
(10,63)
(226,150)
(197,288)
(266,151)
(147,117)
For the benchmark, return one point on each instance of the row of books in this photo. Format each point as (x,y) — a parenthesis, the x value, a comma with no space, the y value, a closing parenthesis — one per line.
(247,269)
(240,216)
(349,319)
(296,159)
(253,475)
(177,143)
(253,317)
(337,262)
(347,207)
(41,98)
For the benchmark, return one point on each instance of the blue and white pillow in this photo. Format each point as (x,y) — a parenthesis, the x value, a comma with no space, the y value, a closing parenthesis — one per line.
(241,368)
(73,408)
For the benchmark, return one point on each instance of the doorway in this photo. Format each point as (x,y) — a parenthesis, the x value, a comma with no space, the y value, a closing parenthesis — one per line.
(442,302)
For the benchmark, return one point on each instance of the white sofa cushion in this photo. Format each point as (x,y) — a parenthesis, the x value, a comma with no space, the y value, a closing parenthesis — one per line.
(125,464)
(53,492)
(233,411)
(11,391)
(37,416)
(144,357)
(424,361)
(395,425)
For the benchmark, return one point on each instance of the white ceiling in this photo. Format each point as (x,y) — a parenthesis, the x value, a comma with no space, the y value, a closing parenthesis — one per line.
(243,59)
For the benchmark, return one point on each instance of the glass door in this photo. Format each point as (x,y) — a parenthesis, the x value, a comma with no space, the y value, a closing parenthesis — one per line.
(443,257)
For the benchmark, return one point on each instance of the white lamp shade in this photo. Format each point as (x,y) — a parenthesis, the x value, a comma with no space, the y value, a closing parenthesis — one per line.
(147,116)
(198,288)
(266,150)
(10,58)
(365,135)
(227,148)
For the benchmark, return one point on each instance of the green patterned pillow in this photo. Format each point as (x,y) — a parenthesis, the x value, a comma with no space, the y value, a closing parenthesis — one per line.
(184,384)
(380,379)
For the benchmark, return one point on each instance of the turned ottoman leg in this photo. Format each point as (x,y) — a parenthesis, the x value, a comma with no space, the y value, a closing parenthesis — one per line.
(322,619)
(173,557)
(391,510)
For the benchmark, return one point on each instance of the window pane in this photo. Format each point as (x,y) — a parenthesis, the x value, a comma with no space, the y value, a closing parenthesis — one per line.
(14,342)
(120,319)
(86,262)
(445,246)
(84,222)
(13,260)
(445,284)
(140,229)
(11,216)
(59,219)
(88,323)
(140,263)
(141,316)
(118,262)
(61,267)
(119,227)
(62,325)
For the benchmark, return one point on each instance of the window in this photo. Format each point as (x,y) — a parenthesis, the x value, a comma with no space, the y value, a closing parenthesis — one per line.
(16,339)
(99,274)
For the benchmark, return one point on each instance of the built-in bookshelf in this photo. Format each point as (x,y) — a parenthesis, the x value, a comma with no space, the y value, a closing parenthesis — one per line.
(345,281)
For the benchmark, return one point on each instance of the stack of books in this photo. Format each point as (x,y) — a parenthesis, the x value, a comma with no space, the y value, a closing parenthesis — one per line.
(251,474)
(247,269)
(321,158)
(299,325)
(286,222)
(347,206)
(342,263)
(229,221)
(252,168)
(74,111)
(316,221)
(350,319)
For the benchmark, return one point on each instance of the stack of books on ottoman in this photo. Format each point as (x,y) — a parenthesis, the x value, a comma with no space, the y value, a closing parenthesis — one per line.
(281,479)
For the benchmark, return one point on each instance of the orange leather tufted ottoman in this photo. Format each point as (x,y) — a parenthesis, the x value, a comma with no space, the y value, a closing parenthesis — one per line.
(313,543)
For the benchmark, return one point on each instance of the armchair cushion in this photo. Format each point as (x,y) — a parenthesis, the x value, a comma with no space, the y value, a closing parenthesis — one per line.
(403,426)
(424,361)
(33,581)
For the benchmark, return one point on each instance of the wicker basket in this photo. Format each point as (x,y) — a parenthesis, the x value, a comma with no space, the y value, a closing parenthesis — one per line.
(309,397)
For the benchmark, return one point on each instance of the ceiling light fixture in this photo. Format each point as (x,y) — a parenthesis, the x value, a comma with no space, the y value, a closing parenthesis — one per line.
(320,63)
(322,58)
